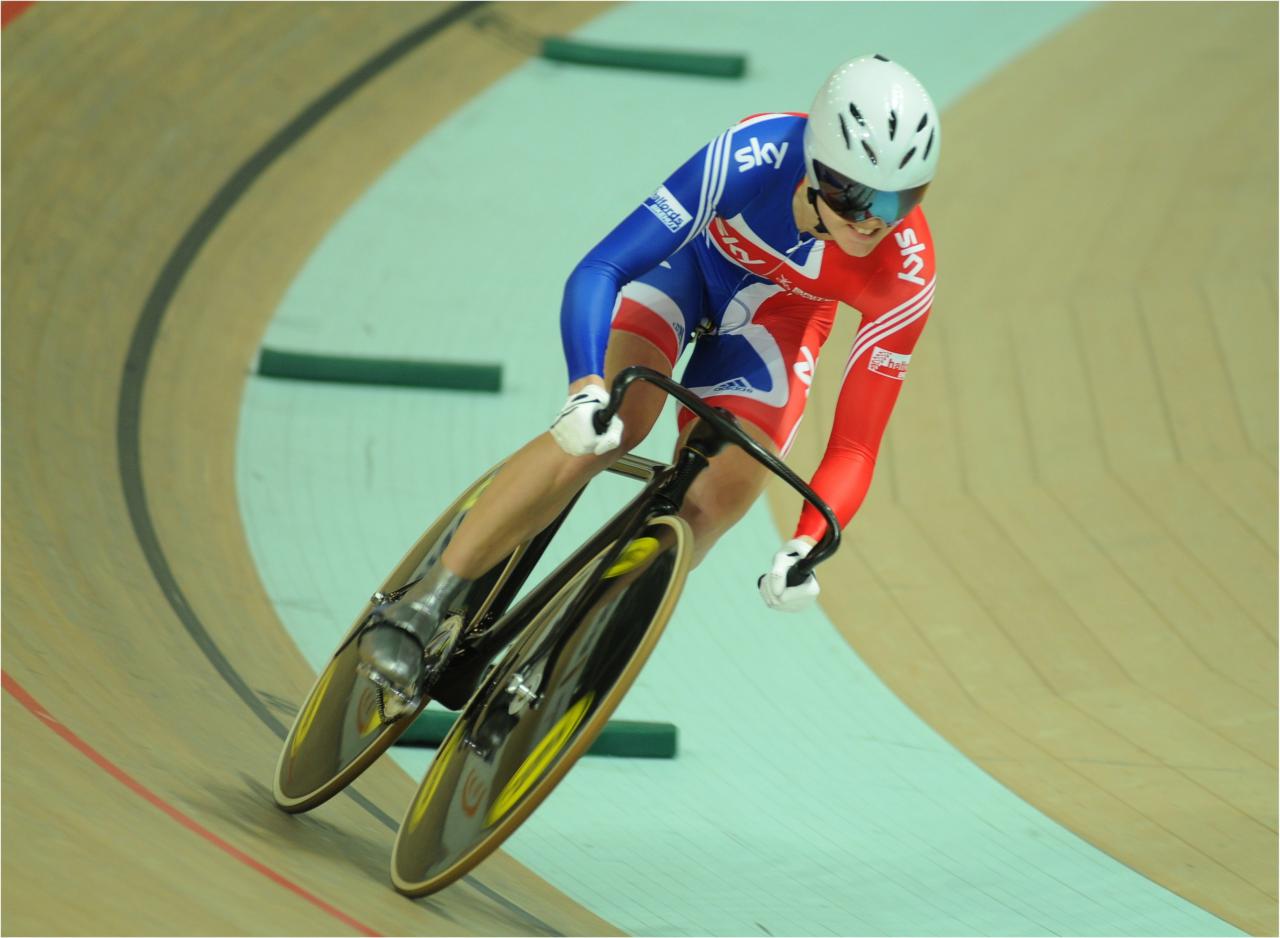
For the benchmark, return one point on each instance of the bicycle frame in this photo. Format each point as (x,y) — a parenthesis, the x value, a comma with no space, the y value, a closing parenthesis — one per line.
(483,640)
(578,641)
(665,486)
(727,431)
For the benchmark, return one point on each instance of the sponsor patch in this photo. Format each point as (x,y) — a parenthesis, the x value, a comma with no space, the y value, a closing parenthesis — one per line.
(889,364)
(753,155)
(667,209)
(912,262)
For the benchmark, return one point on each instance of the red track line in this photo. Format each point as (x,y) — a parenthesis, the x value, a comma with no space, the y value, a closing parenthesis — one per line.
(11,9)
(16,689)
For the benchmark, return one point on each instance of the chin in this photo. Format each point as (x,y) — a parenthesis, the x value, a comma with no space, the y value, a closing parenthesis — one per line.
(859,248)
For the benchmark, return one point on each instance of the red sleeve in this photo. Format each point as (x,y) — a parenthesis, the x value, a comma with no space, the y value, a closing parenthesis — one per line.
(872,380)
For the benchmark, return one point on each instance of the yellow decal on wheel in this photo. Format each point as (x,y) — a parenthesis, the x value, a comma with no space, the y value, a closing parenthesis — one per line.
(634,554)
(313,706)
(537,761)
(429,784)
(475,496)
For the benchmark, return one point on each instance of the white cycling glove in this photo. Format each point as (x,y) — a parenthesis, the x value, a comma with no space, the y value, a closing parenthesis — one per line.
(575,430)
(773,585)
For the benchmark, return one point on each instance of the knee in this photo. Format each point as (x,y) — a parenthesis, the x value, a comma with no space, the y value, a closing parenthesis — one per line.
(581,469)
(700,521)
(633,435)
(635,427)
(713,509)
(637,421)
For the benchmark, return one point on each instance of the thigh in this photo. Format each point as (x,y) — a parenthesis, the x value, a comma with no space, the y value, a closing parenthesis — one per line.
(724,491)
(644,402)
(664,305)
(760,366)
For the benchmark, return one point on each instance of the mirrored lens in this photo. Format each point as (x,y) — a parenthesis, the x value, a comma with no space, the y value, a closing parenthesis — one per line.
(853,201)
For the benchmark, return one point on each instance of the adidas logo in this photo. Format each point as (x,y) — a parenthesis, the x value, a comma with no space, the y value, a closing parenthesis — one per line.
(733,384)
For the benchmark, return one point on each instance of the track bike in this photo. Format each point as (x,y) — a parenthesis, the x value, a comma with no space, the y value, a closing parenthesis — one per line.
(535,681)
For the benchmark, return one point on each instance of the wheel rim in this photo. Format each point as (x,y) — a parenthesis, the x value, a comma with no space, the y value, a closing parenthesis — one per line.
(338,732)
(495,766)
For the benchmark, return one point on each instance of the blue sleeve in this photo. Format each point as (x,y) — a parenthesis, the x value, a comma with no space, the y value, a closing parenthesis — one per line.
(669,219)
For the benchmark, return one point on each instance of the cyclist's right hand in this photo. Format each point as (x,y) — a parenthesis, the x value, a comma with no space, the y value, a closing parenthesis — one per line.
(575,429)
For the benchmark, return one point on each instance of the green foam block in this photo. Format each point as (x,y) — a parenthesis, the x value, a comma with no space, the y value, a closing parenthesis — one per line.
(708,64)
(636,740)
(457,376)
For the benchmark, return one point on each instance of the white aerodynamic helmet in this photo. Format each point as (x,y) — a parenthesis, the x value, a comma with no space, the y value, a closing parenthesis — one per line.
(871,143)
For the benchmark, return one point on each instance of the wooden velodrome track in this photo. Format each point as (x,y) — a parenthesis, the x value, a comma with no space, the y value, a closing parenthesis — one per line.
(1070,562)
(1073,568)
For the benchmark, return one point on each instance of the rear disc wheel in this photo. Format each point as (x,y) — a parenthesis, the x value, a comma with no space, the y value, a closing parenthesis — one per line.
(541,708)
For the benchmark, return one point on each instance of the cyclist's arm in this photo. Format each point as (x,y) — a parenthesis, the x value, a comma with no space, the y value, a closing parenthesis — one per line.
(872,381)
(708,183)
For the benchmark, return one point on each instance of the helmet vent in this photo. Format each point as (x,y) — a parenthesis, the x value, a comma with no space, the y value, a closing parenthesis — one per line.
(928,146)
(893,123)
(880,57)
(844,129)
(871,154)
(924,119)
(910,153)
(857,115)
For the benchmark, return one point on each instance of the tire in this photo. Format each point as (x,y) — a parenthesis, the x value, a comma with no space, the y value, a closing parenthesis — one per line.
(579,656)
(339,730)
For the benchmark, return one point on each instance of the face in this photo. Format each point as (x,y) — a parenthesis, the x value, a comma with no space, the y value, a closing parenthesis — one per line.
(856,238)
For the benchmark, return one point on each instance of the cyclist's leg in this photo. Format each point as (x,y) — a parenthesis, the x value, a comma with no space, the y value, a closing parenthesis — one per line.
(655,315)
(724,491)
(536,483)
(760,369)
(530,490)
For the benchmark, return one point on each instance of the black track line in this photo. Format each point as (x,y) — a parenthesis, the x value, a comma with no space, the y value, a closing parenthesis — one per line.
(142,345)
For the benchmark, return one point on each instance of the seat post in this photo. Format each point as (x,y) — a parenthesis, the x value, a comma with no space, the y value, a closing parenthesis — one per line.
(637,467)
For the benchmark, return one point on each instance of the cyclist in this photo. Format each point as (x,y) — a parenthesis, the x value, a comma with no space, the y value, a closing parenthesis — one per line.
(755,239)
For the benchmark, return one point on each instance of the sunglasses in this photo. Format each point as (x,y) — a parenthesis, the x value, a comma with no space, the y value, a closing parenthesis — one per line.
(853,201)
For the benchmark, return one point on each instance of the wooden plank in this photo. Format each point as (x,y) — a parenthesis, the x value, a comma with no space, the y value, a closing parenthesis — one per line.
(1241,562)
(1234,841)
(1136,431)
(1192,373)
(1182,593)
(1242,312)
(1247,489)
(1053,390)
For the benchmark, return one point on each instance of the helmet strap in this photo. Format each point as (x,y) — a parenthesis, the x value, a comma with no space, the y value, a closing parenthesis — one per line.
(820,228)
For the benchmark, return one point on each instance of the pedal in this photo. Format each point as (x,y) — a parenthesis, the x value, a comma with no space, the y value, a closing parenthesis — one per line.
(439,648)
(392,703)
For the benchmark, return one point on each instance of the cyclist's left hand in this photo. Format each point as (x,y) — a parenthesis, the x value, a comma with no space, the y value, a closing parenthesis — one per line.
(773,585)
